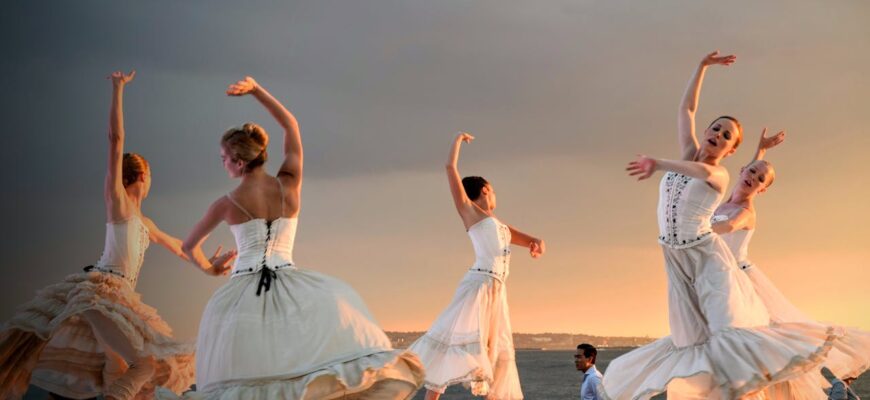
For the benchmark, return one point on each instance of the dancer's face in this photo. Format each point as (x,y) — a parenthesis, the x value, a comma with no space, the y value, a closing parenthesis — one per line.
(141,186)
(146,184)
(719,139)
(489,194)
(234,168)
(581,362)
(754,178)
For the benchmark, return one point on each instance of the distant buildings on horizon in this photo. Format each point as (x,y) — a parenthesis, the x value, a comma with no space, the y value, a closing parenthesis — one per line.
(542,341)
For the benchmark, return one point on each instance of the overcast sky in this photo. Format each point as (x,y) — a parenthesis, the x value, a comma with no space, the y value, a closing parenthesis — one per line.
(560,94)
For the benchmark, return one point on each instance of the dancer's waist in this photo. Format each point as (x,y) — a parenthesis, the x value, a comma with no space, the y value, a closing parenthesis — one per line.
(114,270)
(497,273)
(745,264)
(250,269)
(676,240)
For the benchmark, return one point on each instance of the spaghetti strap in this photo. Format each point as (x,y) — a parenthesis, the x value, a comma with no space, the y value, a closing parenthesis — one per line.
(230,198)
(281,195)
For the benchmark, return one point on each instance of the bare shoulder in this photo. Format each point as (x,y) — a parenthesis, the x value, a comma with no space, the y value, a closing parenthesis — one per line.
(220,205)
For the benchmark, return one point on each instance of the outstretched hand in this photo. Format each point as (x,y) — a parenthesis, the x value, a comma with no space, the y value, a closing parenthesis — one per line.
(643,167)
(765,142)
(119,78)
(537,248)
(220,263)
(464,137)
(714,58)
(243,87)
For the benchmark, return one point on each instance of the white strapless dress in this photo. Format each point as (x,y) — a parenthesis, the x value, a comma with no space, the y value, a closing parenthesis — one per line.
(275,331)
(849,356)
(723,343)
(49,339)
(471,341)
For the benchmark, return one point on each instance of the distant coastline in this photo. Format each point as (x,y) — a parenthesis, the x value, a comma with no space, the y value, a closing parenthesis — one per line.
(543,341)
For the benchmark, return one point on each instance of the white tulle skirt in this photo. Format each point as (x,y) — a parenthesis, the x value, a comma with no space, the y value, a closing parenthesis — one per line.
(723,343)
(471,342)
(310,336)
(849,356)
(49,344)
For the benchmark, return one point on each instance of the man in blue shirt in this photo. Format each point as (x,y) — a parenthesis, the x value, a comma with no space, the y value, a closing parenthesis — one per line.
(584,360)
(840,389)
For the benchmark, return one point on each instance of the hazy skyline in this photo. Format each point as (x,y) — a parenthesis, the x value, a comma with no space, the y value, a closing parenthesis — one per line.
(560,95)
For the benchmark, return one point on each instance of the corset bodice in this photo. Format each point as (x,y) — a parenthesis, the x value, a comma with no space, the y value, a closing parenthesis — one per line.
(491,240)
(685,207)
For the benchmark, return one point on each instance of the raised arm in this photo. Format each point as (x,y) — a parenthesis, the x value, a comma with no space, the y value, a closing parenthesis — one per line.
(689,105)
(536,246)
(291,168)
(643,167)
(765,143)
(113,191)
(218,264)
(464,206)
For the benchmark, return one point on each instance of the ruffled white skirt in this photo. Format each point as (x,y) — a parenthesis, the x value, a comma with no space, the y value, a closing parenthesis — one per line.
(310,336)
(723,344)
(471,342)
(849,356)
(48,343)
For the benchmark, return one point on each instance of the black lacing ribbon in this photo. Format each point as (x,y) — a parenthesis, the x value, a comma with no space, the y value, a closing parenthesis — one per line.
(266,277)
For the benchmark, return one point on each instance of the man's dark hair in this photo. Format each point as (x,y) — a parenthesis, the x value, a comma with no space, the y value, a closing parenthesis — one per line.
(589,351)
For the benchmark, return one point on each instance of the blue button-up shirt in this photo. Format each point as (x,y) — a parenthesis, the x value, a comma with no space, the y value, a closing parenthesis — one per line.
(589,388)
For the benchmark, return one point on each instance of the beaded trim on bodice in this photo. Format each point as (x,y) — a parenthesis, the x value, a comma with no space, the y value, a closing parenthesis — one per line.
(491,257)
(684,221)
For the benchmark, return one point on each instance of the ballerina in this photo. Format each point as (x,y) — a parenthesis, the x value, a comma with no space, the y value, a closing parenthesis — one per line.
(735,221)
(722,343)
(275,330)
(91,334)
(471,341)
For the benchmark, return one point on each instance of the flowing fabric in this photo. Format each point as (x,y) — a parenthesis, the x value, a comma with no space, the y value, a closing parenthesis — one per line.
(277,331)
(49,344)
(471,341)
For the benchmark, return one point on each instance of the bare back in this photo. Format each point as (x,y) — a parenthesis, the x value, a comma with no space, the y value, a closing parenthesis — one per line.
(262,197)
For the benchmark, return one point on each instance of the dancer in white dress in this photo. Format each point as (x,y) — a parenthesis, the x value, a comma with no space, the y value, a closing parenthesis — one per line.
(275,331)
(722,343)
(91,334)
(735,221)
(471,341)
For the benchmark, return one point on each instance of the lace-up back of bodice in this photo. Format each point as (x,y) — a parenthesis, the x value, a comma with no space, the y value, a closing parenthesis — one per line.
(264,246)
(124,251)
(262,243)
(492,254)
